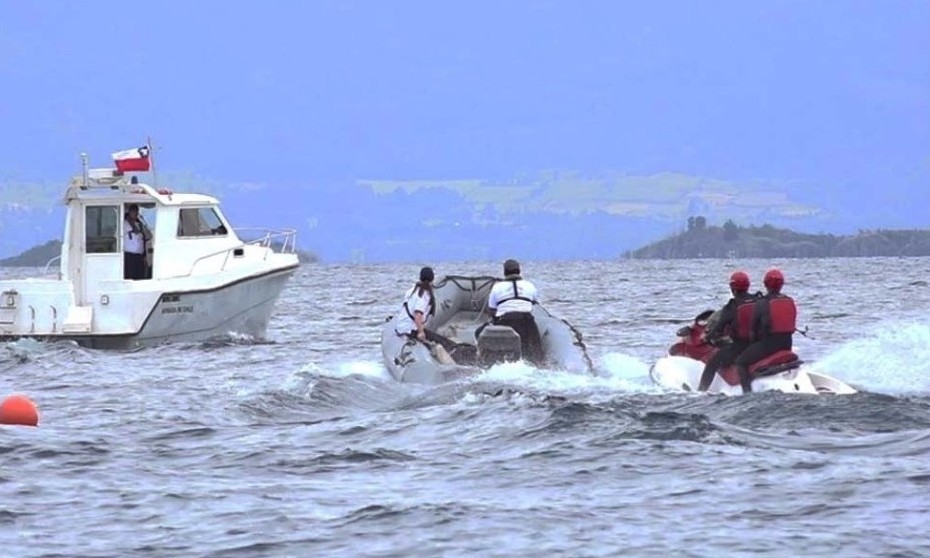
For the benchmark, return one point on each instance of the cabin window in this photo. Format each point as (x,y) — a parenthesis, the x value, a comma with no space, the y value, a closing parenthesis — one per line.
(101,229)
(201,221)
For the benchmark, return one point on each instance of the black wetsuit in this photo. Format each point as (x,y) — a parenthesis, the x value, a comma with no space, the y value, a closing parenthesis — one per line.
(727,354)
(530,341)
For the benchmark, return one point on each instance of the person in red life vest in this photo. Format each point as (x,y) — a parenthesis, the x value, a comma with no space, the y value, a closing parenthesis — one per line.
(735,320)
(773,325)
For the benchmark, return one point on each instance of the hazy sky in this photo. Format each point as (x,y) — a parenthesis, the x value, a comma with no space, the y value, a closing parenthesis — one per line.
(807,90)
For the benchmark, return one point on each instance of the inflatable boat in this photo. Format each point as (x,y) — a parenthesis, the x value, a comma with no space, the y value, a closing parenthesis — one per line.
(461,315)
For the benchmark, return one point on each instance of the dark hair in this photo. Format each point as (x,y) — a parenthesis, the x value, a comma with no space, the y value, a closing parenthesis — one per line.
(132,206)
(511,267)
(427,286)
(426,274)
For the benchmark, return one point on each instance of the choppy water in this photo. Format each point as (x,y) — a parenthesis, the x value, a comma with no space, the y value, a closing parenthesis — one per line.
(303,446)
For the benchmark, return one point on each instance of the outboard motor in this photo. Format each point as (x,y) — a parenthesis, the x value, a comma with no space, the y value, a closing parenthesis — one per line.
(498,344)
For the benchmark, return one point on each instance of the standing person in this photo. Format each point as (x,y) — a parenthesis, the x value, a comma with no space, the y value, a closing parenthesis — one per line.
(512,300)
(735,320)
(774,323)
(134,266)
(418,306)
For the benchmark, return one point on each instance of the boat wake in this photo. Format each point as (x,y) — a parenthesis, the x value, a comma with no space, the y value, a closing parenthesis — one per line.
(888,362)
(232,339)
(893,359)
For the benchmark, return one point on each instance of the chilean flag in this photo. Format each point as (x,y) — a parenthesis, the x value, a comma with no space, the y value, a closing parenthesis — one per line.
(132,160)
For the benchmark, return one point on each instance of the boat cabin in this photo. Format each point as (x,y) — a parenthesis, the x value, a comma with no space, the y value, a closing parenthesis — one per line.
(182,234)
(126,277)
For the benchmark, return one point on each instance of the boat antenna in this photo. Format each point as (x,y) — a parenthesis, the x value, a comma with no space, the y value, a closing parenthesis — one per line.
(148,143)
(84,169)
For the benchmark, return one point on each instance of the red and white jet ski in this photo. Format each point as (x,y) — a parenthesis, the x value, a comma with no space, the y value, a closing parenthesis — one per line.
(782,371)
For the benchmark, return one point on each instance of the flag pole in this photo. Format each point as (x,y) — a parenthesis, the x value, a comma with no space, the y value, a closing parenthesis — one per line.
(148,143)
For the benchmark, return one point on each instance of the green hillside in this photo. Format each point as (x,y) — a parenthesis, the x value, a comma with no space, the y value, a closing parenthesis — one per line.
(37,256)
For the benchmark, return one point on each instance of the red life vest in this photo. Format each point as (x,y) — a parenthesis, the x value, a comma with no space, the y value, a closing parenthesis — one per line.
(783,315)
(743,321)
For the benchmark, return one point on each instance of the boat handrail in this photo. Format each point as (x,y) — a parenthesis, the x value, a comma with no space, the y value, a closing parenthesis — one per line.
(287,246)
(266,238)
(49,264)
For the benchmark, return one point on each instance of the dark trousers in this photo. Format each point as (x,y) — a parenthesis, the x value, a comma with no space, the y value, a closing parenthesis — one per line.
(134,266)
(725,356)
(530,340)
(434,337)
(461,353)
(756,352)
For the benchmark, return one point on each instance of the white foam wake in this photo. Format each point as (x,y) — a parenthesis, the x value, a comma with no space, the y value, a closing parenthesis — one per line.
(893,359)
(614,373)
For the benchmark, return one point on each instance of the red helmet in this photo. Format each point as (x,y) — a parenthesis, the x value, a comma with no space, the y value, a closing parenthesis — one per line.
(739,281)
(773,280)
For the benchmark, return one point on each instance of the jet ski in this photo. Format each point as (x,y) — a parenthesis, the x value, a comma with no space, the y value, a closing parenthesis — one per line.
(783,371)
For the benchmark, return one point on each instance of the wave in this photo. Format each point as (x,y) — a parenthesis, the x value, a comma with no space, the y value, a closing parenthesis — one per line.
(892,359)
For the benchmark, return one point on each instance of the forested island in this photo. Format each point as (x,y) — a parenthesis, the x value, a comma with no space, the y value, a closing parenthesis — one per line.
(39,256)
(700,240)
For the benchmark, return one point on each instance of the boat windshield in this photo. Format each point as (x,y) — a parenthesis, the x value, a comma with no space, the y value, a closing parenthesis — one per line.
(200,221)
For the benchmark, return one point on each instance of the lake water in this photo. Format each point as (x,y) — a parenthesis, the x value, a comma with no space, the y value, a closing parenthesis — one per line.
(303,445)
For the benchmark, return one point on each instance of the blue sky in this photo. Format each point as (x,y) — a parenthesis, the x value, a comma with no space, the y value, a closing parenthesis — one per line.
(827,90)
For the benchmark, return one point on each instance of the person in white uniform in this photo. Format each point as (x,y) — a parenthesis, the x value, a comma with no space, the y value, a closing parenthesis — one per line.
(134,266)
(418,306)
(511,300)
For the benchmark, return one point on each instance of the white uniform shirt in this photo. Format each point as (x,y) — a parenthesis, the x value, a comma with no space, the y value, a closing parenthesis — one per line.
(133,241)
(502,297)
(404,323)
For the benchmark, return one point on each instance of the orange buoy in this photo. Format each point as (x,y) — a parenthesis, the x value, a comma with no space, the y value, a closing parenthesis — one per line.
(19,410)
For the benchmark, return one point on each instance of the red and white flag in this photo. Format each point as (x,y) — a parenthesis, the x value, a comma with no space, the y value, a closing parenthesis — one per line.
(132,160)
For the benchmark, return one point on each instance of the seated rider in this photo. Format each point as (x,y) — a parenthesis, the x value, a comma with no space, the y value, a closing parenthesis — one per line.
(774,323)
(735,320)
(418,306)
(512,301)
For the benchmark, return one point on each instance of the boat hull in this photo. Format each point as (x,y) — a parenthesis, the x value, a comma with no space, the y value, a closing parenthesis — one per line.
(240,307)
(684,373)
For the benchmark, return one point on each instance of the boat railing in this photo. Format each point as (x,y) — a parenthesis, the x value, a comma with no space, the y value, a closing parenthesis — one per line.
(49,264)
(282,241)
(285,240)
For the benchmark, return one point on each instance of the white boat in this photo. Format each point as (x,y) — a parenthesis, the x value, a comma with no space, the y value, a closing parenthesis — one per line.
(203,278)
(460,312)
(783,371)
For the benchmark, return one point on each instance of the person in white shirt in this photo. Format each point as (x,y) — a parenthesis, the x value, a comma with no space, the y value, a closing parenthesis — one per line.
(418,306)
(511,301)
(134,266)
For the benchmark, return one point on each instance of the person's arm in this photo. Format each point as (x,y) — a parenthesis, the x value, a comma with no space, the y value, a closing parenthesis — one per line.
(146,230)
(421,325)
(491,309)
(420,309)
(724,318)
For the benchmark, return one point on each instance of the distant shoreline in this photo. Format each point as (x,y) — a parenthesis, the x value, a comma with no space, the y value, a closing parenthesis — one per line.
(701,241)
(40,256)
